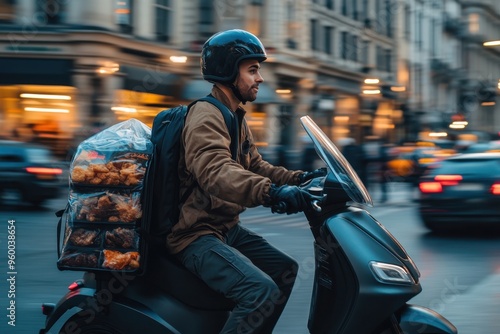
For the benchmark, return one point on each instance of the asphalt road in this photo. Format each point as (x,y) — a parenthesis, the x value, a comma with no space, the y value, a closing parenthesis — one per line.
(460,273)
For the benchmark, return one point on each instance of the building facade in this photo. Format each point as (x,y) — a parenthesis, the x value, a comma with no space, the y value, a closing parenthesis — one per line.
(480,83)
(361,68)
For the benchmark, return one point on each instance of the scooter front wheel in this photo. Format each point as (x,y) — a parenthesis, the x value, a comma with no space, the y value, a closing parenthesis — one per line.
(79,323)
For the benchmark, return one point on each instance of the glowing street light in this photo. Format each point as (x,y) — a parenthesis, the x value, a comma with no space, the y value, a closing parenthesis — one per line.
(371,81)
(492,43)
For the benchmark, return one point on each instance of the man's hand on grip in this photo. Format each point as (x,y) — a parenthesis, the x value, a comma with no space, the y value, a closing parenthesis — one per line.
(291,198)
(306,176)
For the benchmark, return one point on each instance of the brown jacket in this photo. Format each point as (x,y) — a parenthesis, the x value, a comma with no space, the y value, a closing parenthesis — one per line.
(224,187)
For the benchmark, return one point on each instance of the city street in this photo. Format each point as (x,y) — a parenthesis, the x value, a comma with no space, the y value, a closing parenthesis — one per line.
(460,273)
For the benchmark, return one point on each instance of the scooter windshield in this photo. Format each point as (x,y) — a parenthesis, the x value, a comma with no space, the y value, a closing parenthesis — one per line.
(337,163)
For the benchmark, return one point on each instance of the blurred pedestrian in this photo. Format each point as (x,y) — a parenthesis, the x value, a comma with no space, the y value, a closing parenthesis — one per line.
(309,155)
(384,158)
(356,156)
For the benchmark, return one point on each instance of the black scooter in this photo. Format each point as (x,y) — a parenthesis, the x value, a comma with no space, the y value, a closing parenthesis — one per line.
(363,279)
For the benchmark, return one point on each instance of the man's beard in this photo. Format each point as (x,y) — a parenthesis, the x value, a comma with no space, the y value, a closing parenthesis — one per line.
(249,95)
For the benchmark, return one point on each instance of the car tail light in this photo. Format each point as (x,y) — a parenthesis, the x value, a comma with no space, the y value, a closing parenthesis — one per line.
(44,170)
(430,187)
(495,188)
(44,173)
(448,180)
(439,182)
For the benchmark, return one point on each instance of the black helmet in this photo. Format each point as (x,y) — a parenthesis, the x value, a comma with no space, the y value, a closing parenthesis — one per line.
(222,53)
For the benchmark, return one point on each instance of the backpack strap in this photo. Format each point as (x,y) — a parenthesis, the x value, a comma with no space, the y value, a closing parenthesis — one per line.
(60,215)
(232,126)
(229,118)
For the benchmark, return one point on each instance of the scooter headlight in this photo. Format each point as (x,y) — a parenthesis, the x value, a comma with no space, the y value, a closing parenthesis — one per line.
(391,273)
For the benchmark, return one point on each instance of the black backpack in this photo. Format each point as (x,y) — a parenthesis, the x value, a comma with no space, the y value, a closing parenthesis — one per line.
(161,200)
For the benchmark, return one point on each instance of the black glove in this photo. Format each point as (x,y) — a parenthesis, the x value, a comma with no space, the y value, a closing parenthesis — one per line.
(293,199)
(306,176)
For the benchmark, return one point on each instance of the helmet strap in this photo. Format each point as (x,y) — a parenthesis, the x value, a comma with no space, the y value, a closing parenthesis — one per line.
(237,93)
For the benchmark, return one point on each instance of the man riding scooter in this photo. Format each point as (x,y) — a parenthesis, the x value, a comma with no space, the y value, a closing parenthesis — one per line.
(209,239)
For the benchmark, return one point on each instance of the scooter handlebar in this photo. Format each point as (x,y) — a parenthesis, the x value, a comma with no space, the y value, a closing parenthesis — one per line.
(281,207)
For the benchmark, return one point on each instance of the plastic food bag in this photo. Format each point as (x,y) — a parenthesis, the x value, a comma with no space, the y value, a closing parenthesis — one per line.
(116,156)
(104,210)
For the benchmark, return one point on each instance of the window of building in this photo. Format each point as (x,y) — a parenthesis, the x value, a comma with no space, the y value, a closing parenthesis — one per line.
(433,37)
(163,16)
(353,52)
(380,65)
(254,18)
(365,53)
(330,4)
(388,60)
(291,25)
(206,19)
(344,44)
(379,16)
(7,10)
(418,30)
(388,18)
(473,23)
(123,15)
(418,84)
(365,10)
(50,11)
(328,37)
(314,34)
(344,7)
(355,13)
(407,22)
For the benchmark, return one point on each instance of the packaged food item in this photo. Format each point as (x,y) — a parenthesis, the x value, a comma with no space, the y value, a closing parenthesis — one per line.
(105,207)
(121,237)
(79,260)
(117,260)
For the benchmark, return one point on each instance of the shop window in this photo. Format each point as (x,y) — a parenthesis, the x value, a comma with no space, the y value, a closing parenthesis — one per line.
(7,10)
(45,114)
(51,11)
(163,13)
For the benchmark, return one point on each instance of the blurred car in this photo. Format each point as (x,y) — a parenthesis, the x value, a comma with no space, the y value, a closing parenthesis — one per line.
(409,163)
(491,146)
(460,191)
(28,173)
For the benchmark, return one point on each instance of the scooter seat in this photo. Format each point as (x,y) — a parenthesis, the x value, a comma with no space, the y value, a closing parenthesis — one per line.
(171,276)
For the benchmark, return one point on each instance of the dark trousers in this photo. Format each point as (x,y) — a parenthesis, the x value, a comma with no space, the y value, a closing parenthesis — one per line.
(248,270)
